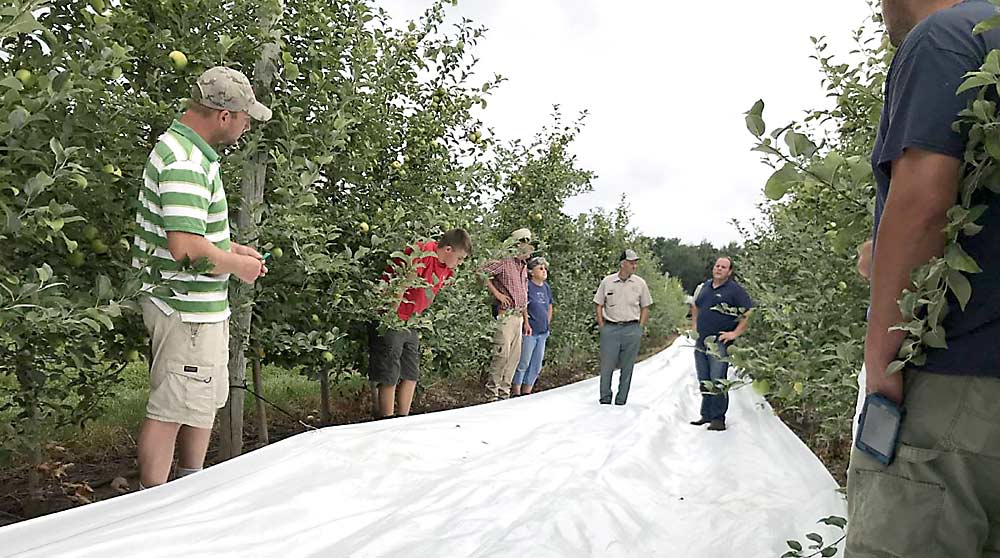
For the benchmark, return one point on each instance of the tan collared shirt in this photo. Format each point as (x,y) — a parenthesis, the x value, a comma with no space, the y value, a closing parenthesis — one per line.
(623,301)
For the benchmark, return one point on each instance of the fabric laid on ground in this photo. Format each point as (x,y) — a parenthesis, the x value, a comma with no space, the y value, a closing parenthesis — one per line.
(550,475)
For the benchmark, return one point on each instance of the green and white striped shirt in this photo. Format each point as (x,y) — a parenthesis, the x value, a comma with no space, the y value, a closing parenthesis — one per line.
(182,191)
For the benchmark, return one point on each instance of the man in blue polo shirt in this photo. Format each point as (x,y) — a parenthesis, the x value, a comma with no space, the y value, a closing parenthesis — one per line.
(720,310)
(939,497)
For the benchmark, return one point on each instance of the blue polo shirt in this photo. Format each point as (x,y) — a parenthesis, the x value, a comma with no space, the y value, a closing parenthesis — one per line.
(713,321)
(920,108)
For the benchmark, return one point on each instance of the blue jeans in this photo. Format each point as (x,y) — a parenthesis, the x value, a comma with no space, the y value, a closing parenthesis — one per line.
(711,367)
(530,365)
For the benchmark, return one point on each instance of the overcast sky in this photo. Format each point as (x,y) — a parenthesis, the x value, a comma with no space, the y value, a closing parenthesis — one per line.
(666,84)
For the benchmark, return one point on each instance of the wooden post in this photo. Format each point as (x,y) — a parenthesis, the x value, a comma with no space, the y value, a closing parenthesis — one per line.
(260,410)
(241,296)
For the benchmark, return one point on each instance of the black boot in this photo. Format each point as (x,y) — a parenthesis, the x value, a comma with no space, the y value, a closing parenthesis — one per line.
(717,425)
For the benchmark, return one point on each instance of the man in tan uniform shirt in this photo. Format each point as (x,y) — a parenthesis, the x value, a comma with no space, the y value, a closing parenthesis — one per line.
(623,302)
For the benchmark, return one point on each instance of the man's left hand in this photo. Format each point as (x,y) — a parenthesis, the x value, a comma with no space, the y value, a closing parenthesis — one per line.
(527,329)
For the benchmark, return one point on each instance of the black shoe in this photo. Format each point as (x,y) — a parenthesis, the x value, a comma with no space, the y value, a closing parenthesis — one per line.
(619,403)
(717,425)
(605,402)
(700,422)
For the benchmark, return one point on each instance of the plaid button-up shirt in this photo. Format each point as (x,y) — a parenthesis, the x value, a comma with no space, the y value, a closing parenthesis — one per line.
(510,277)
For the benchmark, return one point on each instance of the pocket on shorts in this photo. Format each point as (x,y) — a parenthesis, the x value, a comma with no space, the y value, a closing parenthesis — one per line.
(889,505)
(194,388)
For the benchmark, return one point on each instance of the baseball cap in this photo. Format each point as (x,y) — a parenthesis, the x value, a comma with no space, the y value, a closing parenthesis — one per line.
(520,235)
(223,88)
(537,261)
(629,255)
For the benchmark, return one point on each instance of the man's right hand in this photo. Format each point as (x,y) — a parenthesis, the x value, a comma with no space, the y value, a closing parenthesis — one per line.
(504,300)
(249,269)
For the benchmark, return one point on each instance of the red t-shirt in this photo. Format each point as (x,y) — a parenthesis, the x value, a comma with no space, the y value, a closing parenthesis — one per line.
(429,267)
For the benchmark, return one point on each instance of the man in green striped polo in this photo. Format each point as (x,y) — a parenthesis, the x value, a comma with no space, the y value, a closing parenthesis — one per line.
(182,216)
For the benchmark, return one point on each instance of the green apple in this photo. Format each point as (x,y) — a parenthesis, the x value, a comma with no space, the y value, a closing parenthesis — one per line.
(179,59)
(327,356)
(90,232)
(98,246)
(75,259)
(762,387)
(23,75)
(363,227)
(132,355)
(108,168)
(277,252)
(397,165)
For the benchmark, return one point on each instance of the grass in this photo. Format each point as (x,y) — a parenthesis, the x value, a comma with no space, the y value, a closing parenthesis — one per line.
(116,427)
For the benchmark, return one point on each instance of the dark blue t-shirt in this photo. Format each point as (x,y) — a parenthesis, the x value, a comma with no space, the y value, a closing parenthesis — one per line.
(920,108)
(539,299)
(713,317)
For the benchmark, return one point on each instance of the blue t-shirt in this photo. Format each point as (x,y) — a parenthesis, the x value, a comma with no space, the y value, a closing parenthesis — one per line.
(539,299)
(920,108)
(713,318)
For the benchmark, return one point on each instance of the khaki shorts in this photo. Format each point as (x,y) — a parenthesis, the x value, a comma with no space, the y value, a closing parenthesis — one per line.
(189,372)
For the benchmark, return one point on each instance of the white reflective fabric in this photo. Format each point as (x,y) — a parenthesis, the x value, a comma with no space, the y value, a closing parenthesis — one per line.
(550,475)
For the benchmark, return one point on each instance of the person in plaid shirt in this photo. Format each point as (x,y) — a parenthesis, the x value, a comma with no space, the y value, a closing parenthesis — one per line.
(508,283)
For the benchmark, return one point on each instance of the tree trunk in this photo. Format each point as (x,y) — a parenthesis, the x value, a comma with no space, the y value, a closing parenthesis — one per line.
(326,409)
(260,410)
(247,232)
(34,507)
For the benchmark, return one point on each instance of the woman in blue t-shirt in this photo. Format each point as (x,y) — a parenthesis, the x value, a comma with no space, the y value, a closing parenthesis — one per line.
(539,318)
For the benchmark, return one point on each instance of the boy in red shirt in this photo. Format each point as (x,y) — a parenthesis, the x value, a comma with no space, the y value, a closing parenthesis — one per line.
(394,356)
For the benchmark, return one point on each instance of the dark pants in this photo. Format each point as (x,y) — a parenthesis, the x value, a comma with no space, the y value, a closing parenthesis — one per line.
(619,348)
(393,356)
(713,368)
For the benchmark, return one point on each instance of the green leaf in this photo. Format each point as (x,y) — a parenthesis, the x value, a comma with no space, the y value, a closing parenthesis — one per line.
(828,551)
(958,259)
(11,82)
(894,367)
(834,520)
(104,289)
(984,110)
(756,125)
(794,545)
(976,79)
(25,23)
(17,118)
(935,339)
(755,120)
(780,182)
(38,183)
(986,25)
(799,144)
(44,273)
(960,286)
(993,145)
